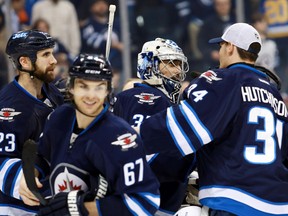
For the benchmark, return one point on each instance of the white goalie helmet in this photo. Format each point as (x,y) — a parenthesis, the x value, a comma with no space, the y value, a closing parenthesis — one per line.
(167,52)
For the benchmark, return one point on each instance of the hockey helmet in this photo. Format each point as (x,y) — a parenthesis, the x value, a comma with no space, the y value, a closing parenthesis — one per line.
(160,50)
(91,67)
(27,43)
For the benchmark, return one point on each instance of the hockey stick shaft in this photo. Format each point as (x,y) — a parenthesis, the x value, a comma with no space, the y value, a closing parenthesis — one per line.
(28,164)
(112,9)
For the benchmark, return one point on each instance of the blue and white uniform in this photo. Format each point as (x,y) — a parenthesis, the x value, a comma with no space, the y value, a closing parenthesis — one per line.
(236,122)
(137,104)
(109,147)
(22,117)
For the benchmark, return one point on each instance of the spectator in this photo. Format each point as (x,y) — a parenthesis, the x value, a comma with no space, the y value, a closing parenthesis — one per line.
(268,55)
(212,26)
(28,8)
(278,31)
(94,37)
(3,59)
(62,18)
(82,8)
(14,9)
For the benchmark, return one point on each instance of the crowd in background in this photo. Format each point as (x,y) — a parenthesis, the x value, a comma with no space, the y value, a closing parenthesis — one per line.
(81,26)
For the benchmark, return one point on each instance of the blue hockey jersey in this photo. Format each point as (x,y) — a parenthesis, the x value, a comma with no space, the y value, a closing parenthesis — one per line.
(236,121)
(22,117)
(137,104)
(108,146)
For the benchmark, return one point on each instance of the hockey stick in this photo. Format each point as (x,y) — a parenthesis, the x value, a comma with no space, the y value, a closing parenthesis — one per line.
(28,162)
(112,9)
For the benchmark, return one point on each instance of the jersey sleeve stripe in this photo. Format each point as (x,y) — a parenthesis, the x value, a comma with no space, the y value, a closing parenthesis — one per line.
(279,132)
(6,166)
(135,206)
(151,157)
(243,198)
(152,199)
(15,185)
(195,123)
(180,139)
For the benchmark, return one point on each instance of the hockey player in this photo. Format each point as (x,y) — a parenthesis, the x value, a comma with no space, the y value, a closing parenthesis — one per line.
(86,144)
(24,105)
(162,66)
(236,121)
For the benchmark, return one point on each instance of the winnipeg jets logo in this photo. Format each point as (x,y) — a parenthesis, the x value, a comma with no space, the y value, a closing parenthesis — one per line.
(126,141)
(66,182)
(146,98)
(210,76)
(19,35)
(7,114)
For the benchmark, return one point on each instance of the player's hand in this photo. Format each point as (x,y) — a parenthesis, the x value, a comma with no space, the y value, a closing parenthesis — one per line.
(66,203)
(26,195)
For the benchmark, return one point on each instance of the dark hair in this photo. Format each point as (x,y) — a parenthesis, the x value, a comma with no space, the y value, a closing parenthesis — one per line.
(258,17)
(247,55)
(37,22)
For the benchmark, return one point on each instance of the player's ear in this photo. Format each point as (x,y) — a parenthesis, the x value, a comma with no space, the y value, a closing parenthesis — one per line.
(230,47)
(25,62)
(71,91)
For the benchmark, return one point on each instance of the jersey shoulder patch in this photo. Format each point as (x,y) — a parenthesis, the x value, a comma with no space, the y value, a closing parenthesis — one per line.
(126,141)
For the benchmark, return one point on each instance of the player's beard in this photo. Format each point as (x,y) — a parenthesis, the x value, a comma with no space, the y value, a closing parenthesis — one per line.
(46,76)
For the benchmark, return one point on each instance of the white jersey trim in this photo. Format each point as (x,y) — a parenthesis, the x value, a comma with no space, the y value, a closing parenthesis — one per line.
(16,185)
(15,211)
(244,198)
(181,141)
(195,123)
(153,199)
(134,206)
(7,164)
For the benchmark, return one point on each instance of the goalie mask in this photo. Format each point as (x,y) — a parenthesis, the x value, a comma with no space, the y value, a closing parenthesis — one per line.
(166,52)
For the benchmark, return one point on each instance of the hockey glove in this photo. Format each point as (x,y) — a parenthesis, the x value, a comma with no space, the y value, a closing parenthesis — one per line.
(66,204)
(72,203)
(99,186)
